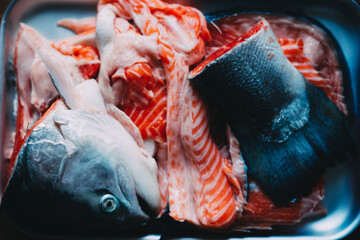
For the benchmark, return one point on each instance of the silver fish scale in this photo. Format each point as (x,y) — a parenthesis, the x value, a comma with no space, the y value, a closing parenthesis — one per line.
(259,87)
(273,79)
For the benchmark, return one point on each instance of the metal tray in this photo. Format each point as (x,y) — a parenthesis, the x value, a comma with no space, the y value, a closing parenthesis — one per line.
(340,17)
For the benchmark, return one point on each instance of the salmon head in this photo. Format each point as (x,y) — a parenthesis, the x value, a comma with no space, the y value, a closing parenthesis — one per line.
(80,169)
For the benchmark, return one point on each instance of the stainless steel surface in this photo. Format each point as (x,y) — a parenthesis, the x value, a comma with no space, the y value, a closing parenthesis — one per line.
(341,17)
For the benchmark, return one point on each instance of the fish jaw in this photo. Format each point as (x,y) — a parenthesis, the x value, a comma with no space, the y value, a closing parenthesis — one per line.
(265,92)
(60,177)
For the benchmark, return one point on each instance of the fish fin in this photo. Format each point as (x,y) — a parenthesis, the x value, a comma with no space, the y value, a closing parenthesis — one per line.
(77,92)
(291,169)
(328,129)
(61,74)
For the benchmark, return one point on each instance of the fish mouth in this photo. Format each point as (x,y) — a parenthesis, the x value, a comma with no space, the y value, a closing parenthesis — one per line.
(145,207)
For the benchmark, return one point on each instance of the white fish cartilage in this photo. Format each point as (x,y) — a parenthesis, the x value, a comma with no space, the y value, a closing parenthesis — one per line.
(121,50)
(78,25)
(34,88)
(64,74)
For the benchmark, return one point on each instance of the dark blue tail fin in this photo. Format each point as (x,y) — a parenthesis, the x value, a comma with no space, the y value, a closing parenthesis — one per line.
(289,170)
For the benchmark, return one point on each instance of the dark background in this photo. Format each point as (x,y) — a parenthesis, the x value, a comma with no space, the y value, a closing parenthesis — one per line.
(7,232)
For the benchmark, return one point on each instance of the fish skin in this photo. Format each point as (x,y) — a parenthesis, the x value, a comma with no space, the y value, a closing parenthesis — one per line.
(286,155)
(259,211)
(62,173)
(311,45)
(283,106)
(87,96)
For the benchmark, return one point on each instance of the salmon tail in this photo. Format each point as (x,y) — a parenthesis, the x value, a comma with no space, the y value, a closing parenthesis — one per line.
(328,130)
(290,170)
(288,129)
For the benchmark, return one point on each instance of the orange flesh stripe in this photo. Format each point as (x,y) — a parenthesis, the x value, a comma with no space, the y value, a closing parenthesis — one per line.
(81,53)
(147,107)
(214,201)
(228,47)
(140,80)
(51,108)
(293,50)
(20,142)
(151,119)
(19,138)
(260,209)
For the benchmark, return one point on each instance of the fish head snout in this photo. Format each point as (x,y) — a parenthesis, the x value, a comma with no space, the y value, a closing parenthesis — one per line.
(107,190)
(75,190)
(131,188)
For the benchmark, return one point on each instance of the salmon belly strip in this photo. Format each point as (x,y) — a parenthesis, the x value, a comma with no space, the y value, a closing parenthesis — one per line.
(149,117)
(212,192)
(198,189)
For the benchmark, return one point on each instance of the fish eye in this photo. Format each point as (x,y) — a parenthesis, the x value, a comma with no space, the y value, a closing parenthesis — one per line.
(109,203)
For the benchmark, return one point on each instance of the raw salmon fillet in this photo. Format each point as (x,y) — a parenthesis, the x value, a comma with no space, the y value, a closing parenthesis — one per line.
(150,115)
(201,185)
(217,191)
(261,213)
(131,75)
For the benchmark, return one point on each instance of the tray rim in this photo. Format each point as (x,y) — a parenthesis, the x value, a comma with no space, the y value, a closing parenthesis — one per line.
(3,63)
